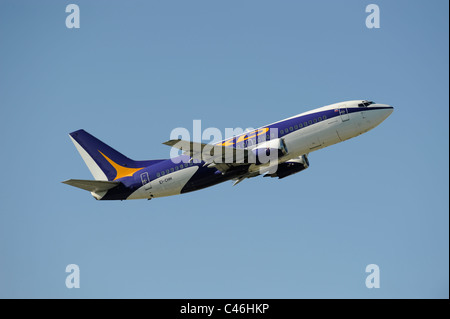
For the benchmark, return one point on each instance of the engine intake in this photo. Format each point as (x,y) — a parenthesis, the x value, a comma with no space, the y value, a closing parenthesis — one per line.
(268,151)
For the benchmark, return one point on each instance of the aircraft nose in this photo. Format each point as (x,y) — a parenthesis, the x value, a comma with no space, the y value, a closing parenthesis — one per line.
(386,110)
(389,110)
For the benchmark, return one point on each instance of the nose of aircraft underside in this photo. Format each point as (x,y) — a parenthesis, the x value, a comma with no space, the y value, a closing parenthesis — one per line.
(386,111)
(382,112)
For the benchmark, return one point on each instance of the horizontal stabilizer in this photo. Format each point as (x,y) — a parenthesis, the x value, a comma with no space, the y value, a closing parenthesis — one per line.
(92,186)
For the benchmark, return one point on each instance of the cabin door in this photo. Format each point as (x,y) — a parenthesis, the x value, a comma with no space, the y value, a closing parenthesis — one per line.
(343,112)
(146,181)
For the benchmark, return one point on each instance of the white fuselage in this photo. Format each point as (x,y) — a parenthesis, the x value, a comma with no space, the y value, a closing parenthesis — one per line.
(322,127)
(334,130)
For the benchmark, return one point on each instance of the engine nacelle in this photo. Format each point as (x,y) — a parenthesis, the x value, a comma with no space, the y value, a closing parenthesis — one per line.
(291,167)
(267,151)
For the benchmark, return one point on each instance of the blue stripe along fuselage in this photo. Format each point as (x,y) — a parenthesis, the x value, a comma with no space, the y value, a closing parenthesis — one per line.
(302,119)
(204,176)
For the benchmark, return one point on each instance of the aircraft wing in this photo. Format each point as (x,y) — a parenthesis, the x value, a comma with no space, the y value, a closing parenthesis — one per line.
(221,157)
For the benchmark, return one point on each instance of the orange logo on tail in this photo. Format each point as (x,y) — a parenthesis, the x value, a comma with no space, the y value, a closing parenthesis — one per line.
(121,170)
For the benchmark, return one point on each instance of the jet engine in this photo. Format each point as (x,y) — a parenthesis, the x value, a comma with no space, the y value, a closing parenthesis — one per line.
(291,167)
(268,151)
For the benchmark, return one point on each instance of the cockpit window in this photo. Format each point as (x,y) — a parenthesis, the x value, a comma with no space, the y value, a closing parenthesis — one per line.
(365,103)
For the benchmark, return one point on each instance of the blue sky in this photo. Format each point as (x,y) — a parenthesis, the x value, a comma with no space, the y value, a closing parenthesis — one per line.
(137,69)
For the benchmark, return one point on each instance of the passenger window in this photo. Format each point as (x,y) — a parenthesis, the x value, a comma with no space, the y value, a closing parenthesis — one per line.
(315,120)
(305,124)
(309,122)
(171,170)
(167,171)
(176,168)
(291,129)
(300,125)
(158,174)
(296,127)
(320,118)
(324,117)
(186,164)
(162,173)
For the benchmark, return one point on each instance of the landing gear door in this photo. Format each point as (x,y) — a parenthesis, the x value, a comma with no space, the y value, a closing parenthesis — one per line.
(146,181)
(343,112)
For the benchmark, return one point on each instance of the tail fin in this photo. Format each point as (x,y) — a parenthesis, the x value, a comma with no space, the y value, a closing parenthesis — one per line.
(104,162)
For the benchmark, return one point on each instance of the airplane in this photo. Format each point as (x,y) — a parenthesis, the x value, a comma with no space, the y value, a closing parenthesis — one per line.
(277,150)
